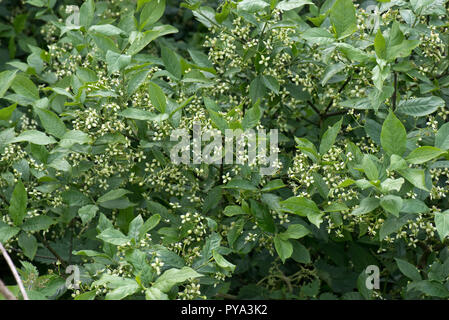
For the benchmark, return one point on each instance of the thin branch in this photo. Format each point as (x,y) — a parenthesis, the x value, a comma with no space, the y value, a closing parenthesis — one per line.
(5,292)
(313,107)
(336,113)
(226,296)
(53,252)
(36,255)
(395,90)
(14,271)
(339,91)
(286,280)
(309,121)
(71,246)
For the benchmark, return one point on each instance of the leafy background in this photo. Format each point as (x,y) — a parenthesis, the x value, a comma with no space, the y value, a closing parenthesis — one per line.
(357,89)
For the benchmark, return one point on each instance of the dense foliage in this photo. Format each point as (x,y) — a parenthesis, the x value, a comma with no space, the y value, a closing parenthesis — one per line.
(358,91)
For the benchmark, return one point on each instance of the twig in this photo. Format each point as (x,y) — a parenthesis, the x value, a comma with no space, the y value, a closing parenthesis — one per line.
(36,255)
(395,90)
(309,121)
(53,252)
(336,113)
(5,292)
(226,296)
(14,271)
(313,107)
(339,91)
(286,280)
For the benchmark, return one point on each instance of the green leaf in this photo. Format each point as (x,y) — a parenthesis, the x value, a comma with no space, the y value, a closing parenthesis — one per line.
(331,70)
(308,148)
(271,83)
(139,114)
(225,10)
(273,185)
(171,62)
(393,136)
(136,80)
(87,213)
(112,195)
(430,288)
(6,113)
(370,168)
(300,206)
(252,5)
(367,205)
(106,29)
(151,13)
(74,136)
(173,277)
(51,122)
(283,247)
(354,54)
(150,224)
(414,206)
(397,46)
(415,177)
(442,137)
(397,163)
(409,270)
(392,204)
(28,243)
(233,210)
(393,224)
(116,61)
(294,231)
(240,184)
(87,12)
(252,117)
(380,45)
(18,204)
(135,227)
(35,137)
(235,231)
(126,288)
(217,119)
(222,262)
(343,19)
(89,295)
(286,5)
(318,36)
(257,89)
(424,154)
(419,107)
(24,86)
(303,207)
(328,139)
(113,236)
(7,232)
(213,198)
(300,253)
(155,294)
(391,184)
(157,97)
(143,39)
(6,79)
(442,224)
(37,223)
(264,218)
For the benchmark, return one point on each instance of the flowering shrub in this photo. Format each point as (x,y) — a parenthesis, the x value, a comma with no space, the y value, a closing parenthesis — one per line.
(358,91)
